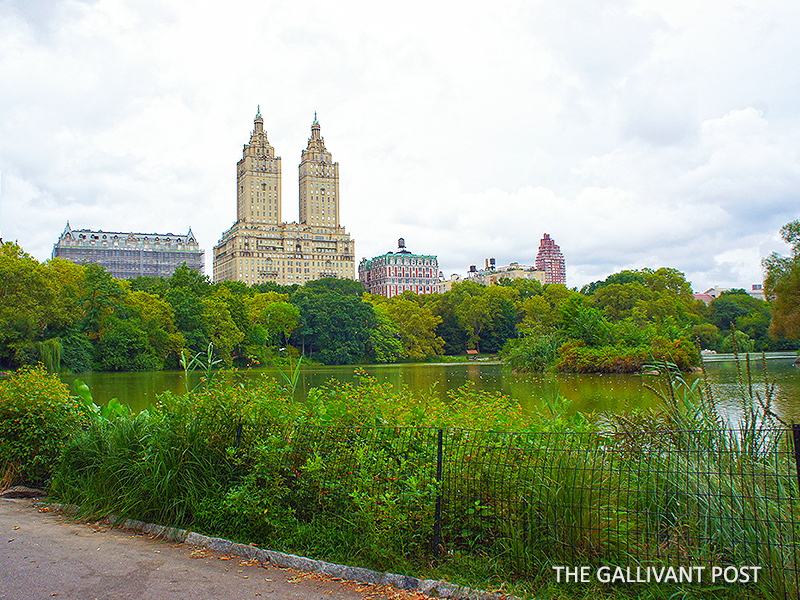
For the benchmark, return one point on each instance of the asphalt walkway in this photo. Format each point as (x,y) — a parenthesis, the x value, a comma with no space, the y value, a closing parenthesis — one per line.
(44,555)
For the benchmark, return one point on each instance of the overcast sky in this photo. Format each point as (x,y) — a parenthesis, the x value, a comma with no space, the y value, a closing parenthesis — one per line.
(637,134)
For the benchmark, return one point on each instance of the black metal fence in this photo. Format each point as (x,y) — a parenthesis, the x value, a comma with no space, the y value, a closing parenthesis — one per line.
(726,500)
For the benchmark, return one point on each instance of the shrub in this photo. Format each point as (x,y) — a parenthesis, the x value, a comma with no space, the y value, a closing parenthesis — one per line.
(575,357)
(37,415)
(532,352)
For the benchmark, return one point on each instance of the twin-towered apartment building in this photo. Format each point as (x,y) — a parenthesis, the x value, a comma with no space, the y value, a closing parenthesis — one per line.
(260,247)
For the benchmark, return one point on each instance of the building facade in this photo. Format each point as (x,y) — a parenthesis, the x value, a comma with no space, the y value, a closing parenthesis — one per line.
(260,247)
(756,291)
(445,285)
(551,261)
(128,255)
(394,273)
(491,274)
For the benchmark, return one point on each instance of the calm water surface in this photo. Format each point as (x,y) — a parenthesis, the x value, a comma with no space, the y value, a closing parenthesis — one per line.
(587,393)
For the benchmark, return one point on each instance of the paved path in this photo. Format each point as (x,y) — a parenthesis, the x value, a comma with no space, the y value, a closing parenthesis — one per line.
(43,555)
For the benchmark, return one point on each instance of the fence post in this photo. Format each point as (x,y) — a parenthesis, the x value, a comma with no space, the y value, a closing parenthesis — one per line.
(239,433)
(796,439)
(437,522)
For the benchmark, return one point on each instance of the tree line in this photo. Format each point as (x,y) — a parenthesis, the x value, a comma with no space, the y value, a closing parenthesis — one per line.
(80,318)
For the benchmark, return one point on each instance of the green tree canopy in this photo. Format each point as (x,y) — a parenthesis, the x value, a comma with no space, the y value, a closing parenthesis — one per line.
(782,286)
(334,323)
(417,328)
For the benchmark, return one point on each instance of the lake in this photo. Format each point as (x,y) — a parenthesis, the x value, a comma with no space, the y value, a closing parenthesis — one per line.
(587,393)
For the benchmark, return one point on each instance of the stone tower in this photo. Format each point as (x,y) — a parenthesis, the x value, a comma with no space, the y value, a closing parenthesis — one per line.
(258,179)
(319,183)
(260,247)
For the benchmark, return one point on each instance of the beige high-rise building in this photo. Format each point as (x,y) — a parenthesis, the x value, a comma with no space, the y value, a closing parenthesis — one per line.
(319,183)
(258,179)
(260,247)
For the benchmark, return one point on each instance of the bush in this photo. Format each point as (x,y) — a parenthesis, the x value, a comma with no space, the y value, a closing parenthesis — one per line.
(37,415)
(532,352)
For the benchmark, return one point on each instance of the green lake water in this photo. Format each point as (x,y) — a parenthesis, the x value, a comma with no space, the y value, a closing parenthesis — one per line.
(587,393)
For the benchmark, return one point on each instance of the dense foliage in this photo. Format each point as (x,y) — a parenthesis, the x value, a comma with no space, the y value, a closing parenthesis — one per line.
(350,477)
(37,418)
(79,318)
(782,285)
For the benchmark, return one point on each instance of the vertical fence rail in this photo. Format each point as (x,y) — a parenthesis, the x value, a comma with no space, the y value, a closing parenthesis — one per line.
(533,499)
(437,526)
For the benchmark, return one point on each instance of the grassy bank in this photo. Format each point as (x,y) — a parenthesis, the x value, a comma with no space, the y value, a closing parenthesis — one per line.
(351,477)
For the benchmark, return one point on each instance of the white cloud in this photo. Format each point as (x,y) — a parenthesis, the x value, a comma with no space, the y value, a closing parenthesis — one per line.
(638,134)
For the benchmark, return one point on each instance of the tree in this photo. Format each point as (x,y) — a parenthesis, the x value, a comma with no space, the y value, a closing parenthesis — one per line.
(782,286)
(334,327)
(417,327)
(279,319)
(584,323)
(738,341)
(190,317)
(123,346)
(152,285)
(100,300)
(24,294)
(474,317)
(221,330)
(450,329)
(708,335)
(347,287)
(384,344)
(157,318)
(500,303)
(736,309)
(184,277)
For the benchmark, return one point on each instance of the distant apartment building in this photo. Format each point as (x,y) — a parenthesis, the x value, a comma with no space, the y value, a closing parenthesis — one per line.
(444,286)
(551,261)
(394,273)
(126,254)
(756,291)
(260,247)
(491,274)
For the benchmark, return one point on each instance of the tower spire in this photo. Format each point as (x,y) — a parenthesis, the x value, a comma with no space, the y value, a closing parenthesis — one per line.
(315,128)
(258,122)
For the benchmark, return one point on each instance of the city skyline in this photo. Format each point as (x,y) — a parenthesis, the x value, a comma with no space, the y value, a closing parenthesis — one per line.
(638,134)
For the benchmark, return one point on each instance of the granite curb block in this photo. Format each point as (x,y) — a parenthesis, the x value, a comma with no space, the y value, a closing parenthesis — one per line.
(429,587)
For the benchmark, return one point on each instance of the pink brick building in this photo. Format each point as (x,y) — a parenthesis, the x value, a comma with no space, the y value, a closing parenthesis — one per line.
(551,261)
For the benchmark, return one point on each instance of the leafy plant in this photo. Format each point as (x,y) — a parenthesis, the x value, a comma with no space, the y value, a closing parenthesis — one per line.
(37,417)
(292,375)
(113,410)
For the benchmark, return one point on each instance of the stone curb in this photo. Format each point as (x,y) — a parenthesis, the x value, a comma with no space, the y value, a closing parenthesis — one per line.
(429,587)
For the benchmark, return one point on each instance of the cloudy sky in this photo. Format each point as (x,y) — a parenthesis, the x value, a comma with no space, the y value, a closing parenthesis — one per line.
(637,134)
